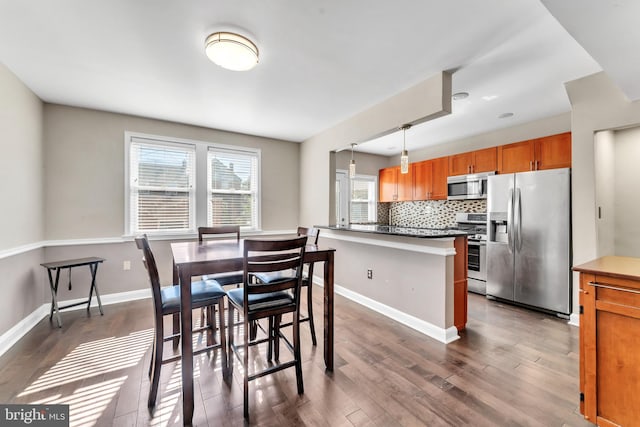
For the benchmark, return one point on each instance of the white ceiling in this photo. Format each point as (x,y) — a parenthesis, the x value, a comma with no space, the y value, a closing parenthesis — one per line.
(321,61)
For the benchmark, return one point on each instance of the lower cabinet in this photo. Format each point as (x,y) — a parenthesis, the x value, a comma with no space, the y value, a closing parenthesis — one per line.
(460,284)
(610,341)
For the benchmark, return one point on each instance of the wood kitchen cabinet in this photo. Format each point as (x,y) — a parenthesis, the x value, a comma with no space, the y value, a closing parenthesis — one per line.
(460,284)
(550,152)
(473,162)
(395,186)
(388,184)
(430,179)
(609,340)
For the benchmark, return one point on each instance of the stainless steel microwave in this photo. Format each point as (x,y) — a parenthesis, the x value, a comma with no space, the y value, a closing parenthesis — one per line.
(464,187)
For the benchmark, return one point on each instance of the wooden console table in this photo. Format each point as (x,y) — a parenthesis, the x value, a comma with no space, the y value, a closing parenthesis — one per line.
(56,266)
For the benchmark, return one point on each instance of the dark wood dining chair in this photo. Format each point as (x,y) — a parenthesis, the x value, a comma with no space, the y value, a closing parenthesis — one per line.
(166,301)
(312,235)
(257,301)
(224,279)
(232,278)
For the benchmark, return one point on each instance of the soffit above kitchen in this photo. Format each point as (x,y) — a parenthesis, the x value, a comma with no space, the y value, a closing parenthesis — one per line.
(320,62)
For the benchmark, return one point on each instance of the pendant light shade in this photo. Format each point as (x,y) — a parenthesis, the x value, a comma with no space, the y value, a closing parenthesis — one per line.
(231,51)
(352,164)
(404,157)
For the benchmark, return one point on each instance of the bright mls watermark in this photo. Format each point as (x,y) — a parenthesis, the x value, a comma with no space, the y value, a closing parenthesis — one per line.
(34,415)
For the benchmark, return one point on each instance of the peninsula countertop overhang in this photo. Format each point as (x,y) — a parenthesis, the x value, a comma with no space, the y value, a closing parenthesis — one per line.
(393,230)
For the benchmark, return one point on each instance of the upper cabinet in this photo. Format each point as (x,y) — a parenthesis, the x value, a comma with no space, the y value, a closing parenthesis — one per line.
(473,162)
(430,179)
(388,184)
(427,180)
(550,152)
(553,152)
(395,186)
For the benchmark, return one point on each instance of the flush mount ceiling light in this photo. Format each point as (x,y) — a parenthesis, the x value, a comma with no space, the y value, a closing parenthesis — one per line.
(404,157)
(231,51)
(460,95)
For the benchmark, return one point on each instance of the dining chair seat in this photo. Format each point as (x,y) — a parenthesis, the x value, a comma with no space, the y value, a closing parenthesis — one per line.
(260,301)
(202,291)
(224,279)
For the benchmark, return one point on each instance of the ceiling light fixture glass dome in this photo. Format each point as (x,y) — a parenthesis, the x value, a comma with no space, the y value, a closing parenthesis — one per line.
(231,51)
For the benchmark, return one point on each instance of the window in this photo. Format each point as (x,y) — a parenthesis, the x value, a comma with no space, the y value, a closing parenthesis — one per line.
(233,187)
(173,186)
(363,204)
(161,190)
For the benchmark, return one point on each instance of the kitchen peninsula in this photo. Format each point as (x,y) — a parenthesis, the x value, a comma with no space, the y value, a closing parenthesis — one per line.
(417,276)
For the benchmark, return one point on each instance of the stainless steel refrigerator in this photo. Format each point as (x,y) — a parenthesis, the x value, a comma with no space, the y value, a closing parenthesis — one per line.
(528,242)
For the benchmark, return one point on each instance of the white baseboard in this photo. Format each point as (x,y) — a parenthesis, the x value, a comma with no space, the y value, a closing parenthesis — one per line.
(9,338)
(443,335)
(574,319)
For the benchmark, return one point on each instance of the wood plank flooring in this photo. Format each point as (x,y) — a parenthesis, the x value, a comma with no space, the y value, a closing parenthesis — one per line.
(512,367)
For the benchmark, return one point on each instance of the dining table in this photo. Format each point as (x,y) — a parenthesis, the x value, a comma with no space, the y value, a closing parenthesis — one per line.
(193,258)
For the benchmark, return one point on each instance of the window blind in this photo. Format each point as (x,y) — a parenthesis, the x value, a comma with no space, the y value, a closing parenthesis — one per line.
(161,189)
(233,187)
(363,200)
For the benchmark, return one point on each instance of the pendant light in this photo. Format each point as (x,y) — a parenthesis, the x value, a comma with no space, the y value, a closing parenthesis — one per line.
(404,157)
(352,164)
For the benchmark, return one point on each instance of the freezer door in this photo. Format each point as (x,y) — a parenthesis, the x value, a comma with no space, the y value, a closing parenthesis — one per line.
(542,230)
(500,254)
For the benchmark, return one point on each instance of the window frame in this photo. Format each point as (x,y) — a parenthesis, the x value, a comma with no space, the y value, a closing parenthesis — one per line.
(200,185)
(373,203)
(257,153)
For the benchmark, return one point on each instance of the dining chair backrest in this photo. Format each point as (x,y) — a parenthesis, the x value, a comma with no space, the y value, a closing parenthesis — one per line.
(150,264)
(220,229)
(268,256)
(312,234)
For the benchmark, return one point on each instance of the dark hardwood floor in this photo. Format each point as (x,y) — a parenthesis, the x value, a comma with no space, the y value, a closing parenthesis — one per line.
(512,367)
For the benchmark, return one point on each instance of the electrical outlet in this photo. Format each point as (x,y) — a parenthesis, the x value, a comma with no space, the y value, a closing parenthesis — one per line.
(369,274)
(126,265)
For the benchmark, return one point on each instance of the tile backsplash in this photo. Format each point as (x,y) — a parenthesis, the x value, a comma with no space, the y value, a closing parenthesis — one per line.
(427,213)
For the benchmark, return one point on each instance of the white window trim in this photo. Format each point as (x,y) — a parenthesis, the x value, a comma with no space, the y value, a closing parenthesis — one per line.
(370,178)
(200,181)
(254,151)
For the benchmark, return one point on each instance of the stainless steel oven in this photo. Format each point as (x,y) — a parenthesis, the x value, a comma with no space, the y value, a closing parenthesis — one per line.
(475,224)
(477,272)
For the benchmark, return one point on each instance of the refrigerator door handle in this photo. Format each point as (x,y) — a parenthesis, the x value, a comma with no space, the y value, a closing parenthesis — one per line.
(517,219)
(510,221)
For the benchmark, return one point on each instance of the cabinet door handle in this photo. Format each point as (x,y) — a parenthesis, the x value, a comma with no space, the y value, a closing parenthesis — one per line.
(614,288)
(530,165)
(537,167)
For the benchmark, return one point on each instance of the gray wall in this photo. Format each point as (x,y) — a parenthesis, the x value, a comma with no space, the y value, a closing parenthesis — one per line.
(366,164)
(20,163)
(21,187)
(84,173)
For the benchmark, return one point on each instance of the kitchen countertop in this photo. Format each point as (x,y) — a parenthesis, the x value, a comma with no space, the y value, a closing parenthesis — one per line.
(615,266)
(428,233)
